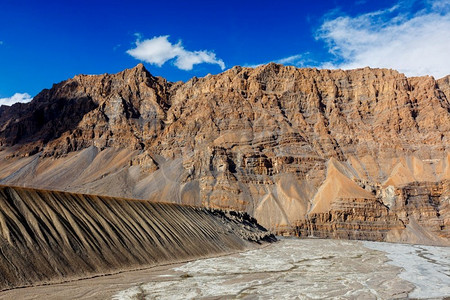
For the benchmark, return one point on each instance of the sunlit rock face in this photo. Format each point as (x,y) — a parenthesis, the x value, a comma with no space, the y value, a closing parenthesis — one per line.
(314,152)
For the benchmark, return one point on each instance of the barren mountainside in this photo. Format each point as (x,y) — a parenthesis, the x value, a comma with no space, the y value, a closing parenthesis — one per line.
(348,154)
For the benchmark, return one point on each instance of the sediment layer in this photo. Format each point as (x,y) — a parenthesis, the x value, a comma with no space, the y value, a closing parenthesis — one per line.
(49,236)
(286,145)
(419,213)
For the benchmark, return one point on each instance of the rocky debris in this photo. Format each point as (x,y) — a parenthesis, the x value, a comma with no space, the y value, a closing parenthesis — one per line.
(280,143)
(243,225)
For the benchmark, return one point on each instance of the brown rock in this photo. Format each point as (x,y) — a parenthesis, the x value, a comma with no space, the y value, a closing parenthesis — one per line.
(278,142)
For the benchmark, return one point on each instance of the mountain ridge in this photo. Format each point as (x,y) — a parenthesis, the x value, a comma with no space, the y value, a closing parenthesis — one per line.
(258,140)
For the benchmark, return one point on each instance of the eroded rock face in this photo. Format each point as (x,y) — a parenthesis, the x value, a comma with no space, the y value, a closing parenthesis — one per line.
(120,110)
(286,145)
(420,212)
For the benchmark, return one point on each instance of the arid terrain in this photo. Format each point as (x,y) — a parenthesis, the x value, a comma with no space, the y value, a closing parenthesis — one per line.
(290,268)
(358,154)
(49,237)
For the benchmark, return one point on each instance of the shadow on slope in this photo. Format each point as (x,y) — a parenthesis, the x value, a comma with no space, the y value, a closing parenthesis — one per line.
(48,236)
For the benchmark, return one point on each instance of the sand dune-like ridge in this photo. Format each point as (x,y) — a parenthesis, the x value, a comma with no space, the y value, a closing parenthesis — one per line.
(48,236)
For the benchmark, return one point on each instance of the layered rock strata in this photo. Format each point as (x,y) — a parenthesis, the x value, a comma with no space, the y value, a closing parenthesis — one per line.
(286,145)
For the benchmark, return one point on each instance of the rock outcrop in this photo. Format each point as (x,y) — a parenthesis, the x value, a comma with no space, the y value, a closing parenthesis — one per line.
(286,145)
(419,214)
(48,236)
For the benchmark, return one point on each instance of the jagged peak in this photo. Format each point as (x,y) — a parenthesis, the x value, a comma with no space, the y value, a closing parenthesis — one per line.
(140,68)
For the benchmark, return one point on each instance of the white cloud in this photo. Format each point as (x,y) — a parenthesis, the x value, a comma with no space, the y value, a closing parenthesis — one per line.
(17,97)
(413,43)
(291,60)
(159,50)
(298,60)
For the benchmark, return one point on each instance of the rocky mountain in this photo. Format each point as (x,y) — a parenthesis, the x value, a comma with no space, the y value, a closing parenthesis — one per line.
(348,154)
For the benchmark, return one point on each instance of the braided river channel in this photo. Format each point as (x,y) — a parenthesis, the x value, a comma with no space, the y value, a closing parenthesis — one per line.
(306,269)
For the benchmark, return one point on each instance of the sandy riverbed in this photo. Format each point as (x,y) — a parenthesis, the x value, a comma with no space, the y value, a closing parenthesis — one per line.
(308,269)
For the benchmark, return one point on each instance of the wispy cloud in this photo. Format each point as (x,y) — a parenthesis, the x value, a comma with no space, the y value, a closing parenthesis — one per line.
(291,60)
(158,50)
(1,42)
(413,43)
(17,97)
(298,60)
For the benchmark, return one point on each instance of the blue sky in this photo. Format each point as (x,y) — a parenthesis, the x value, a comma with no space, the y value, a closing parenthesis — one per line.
(44,42)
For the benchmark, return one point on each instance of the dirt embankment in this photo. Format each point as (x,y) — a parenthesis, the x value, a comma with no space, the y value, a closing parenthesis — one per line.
(49,236)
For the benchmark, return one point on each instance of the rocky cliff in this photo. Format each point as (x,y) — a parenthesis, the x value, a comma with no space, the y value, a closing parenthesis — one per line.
(295,148)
